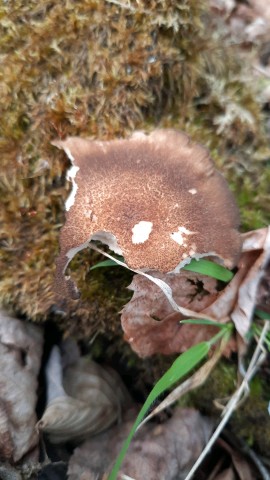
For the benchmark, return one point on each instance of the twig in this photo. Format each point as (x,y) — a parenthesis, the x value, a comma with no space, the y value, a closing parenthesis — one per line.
(255,362)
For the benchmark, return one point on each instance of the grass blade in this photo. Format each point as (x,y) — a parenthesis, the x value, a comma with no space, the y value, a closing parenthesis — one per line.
(205,267)
(105,263)
(180,367)
(211,269)
(262,315)
(202,321)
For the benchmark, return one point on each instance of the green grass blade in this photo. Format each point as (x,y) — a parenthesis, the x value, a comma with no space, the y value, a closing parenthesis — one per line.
(205,267)
(105,263)
(108,263)
(211,269)
(202,321)
(180,367)
(262,315)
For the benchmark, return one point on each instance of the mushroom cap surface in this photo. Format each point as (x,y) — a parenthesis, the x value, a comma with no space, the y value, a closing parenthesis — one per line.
(156,198)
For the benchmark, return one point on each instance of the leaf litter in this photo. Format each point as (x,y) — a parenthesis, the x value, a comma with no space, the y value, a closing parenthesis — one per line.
(152,326)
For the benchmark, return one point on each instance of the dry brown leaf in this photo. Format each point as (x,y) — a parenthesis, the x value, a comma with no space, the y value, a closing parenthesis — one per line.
(241,466)
(82,400)
(20,356)
(165,451)
(238,299)
(256,254)
(151,325)
(227,474)
(166,335)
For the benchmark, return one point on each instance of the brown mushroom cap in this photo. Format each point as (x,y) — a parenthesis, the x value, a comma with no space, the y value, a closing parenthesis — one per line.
(158,196)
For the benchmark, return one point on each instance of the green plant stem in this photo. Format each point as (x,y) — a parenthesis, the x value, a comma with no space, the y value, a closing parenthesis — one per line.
(180,367)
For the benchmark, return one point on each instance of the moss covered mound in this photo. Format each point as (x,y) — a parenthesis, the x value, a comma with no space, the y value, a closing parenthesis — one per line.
(101,69)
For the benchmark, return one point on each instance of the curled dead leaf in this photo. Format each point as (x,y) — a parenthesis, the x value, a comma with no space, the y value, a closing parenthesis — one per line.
(82,400)
(149,321)
(20,357)
(255,259)
(152,326)
(239,469)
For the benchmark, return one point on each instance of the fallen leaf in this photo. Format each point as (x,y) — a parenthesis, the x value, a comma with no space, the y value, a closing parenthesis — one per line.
(149,321)
(165,451)
(83,399)
(240,468)
(152,326)
(227,474)
(256,254)
(20,357)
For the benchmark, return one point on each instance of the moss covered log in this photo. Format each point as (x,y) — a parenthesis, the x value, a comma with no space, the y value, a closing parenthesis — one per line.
(102,69)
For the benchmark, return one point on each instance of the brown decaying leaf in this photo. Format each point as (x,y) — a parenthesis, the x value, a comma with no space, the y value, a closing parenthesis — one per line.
(165,451)
(227,474)
(165,335)
(236,301)
(256,255)
(20,356)
(83,400)
(239,469)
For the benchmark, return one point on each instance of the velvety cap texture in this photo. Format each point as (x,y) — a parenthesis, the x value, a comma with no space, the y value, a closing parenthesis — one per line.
(156,198)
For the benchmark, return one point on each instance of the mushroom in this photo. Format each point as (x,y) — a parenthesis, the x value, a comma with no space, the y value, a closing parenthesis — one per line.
(156,199)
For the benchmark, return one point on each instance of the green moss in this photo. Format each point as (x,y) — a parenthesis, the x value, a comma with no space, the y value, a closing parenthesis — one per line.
(103,294)
(219,386)
(250,182)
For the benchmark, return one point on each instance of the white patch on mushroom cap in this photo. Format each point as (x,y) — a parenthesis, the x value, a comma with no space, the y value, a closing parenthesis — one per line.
(71,174)
(179,237)
(105,237)
(193,191)
(141,231)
